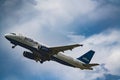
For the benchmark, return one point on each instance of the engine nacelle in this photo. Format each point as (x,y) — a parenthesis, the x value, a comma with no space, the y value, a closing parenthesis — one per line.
(28,55)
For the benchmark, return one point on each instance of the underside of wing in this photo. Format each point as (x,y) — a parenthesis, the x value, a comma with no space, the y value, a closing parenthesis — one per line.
(64,48)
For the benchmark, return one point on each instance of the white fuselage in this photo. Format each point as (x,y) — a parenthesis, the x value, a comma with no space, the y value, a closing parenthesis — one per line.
(70,60)
(31,45)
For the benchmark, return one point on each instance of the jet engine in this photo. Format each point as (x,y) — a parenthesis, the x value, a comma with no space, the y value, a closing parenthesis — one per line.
(28,55)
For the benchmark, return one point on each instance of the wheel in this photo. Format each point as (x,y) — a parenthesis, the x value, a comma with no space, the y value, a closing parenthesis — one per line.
(41,62)
(13,46)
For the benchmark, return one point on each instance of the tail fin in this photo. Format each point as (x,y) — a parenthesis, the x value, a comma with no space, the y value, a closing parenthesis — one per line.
(86,58)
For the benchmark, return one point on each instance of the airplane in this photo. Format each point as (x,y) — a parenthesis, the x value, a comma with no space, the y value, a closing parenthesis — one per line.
(42,53)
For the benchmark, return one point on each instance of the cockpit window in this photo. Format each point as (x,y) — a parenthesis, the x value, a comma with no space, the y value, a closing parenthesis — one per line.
(13,33)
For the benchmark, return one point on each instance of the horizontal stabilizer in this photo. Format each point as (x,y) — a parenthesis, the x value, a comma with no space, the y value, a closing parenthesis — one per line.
(91,65)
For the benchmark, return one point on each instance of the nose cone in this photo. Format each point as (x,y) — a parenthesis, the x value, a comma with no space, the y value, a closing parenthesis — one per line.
(7,36)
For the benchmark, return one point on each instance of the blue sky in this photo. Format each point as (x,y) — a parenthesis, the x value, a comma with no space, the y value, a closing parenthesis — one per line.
(95,23)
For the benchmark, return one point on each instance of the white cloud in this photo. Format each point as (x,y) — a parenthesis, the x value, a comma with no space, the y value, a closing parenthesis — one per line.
(113,61)
(106,45)
(106,11)
(54,15)
(63,12)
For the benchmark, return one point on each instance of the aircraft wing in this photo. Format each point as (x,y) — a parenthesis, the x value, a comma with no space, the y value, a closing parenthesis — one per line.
(64,48)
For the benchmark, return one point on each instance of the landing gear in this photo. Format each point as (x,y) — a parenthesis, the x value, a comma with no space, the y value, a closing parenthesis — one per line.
(37,59)
(41,62)
(91,69)
(14,46)
(40,59)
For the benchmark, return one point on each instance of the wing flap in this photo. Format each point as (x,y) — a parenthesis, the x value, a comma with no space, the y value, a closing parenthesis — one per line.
(64,48)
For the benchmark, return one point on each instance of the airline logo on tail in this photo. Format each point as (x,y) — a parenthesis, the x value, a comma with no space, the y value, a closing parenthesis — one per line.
(84,58)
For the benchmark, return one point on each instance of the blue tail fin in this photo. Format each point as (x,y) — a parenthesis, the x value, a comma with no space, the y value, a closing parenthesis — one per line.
(86,58)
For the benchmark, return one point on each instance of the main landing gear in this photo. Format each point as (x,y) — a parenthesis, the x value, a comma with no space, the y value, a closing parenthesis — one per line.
(41,62)
(14,46)
(37,59)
